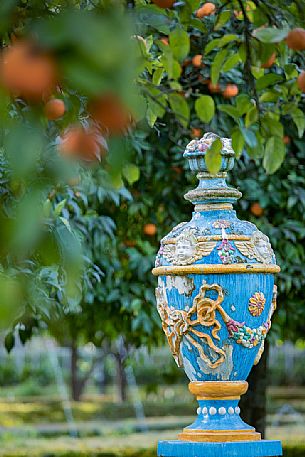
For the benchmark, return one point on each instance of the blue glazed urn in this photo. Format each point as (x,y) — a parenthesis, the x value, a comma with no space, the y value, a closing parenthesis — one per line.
(216,296)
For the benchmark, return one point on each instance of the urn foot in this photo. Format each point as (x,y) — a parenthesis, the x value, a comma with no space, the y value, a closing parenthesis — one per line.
(263,448)
(218,414)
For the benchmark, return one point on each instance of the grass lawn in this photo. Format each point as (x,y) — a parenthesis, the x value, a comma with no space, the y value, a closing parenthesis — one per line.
(38,427)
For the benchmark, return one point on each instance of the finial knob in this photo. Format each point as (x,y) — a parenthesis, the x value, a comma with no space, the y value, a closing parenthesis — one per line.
(212,189)
(196,150)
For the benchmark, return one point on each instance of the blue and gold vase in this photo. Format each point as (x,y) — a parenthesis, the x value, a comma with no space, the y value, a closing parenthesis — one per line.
(216,296)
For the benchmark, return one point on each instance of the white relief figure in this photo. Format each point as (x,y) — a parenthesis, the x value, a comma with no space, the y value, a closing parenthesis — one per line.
(223,371)
(262,246)
(183,284)
(186,249)
(258,247)
(185,246)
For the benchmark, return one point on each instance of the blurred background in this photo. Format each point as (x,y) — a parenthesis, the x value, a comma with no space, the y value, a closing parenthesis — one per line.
(98,100)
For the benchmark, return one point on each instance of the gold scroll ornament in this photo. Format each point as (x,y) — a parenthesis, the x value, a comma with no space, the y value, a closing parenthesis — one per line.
(179,324)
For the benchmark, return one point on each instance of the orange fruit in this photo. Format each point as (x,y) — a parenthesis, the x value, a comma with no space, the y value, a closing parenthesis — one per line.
(196,132)
(150,229)
(27,72)
(301,81)
(197,60)
(206,10)
(296,39)
(256,209)
(213,88)
(164,3)
(110,113)
(54,109)
(85,144)
(164,40)
(230,91)
(269,62)
(286,139)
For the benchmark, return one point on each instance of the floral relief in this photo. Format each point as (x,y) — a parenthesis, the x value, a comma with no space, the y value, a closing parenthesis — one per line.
(226,252)
(257,304)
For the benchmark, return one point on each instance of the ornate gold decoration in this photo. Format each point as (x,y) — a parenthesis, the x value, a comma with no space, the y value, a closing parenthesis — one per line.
(215,268)
(258,247)
(257,304)
(229,237)
(186,249)
(179,324)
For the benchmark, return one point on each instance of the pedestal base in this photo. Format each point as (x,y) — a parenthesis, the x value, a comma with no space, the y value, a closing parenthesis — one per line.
(261,448)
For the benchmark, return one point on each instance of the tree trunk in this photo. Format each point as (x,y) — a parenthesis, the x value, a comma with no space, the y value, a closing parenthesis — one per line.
(121,378)
(253,403)
(75,382)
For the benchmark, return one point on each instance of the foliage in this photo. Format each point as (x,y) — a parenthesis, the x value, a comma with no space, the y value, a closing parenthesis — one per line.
(80,252)
(43,265)
(235,43)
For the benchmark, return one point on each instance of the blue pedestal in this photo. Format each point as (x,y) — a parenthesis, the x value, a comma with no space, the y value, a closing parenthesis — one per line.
(262,448)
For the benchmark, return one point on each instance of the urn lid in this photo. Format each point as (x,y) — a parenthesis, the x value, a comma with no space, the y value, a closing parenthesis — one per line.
(214,238)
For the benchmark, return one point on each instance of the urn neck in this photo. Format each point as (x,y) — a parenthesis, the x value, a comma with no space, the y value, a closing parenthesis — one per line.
(212,193)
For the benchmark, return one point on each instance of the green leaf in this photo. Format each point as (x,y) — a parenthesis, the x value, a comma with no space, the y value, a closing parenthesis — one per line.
(153,16)
(131,173)
(270,34)
(243,104)
(222,19)
(269,96)
(291,71)
(213,157)
(272,127)
(274,154)
(230,110)
(231,62)
(238,142)
(179,42)
(47,208)
(251,116)
(171,65)
(268,80)
(157,76)
(299,120)
(180,107)
(205,108)
(59,207)
(217,65)
(219,43)
(249,137)
(198,24)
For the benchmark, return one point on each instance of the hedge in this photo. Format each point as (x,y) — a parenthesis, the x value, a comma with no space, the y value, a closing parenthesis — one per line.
(289,451)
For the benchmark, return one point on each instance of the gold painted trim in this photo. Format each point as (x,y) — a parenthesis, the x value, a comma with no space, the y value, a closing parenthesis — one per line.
(219,436)
(212,238)
(216,268)
(213,207)
(218,390)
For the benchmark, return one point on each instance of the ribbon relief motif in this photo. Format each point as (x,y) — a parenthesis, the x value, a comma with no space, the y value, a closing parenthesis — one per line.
(187,324)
